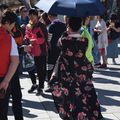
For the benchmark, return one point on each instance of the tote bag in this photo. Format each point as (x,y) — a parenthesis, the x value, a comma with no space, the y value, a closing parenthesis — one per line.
(28,63)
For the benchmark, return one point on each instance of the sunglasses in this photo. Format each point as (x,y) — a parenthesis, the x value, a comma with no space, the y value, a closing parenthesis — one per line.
(25,11)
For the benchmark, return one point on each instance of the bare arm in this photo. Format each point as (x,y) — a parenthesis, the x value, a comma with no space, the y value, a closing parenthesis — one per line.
(116,29)
(14,61)
(97,30)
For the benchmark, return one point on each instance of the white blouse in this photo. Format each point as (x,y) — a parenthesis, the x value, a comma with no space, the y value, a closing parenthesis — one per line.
(14,50)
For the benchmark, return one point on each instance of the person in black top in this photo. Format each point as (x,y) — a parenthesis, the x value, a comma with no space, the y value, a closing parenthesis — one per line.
(113,26)
(56,29)
(11,62)
(16,93)
(36,33)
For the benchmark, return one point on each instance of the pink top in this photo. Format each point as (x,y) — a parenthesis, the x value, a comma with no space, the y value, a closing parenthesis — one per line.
(36,36)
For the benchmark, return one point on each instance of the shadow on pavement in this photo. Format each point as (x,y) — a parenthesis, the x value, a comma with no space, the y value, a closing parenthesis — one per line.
(28,106)
(108,72)
(47,95)
(107,119)
(27,113)
(106,81)
(106,97)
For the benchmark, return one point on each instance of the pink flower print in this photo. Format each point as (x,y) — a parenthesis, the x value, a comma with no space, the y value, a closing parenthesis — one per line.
(85,108)
(89,96)
(81,116)
(76,64)
(76,75)
(82,77)
(84,100)
(69,52)
(62,67)
(57,93)
(89,66)
(68,115)
(64,78)
(62,111)
(56,87)
(95,112)
(89,82)
(88,88)
(79,54)
(72,107)
(93,118)
(67,74)
(66,61)
(97,103)
(65,91)
(78,92)
(84,68)
(71,78)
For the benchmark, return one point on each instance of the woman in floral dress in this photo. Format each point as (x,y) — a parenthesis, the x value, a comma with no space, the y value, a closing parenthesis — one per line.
(73,91)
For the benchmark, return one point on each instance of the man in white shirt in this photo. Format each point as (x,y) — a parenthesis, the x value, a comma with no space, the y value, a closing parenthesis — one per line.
(9,60)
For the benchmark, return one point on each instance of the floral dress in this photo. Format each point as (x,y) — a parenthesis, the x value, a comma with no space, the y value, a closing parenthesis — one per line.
(73,91)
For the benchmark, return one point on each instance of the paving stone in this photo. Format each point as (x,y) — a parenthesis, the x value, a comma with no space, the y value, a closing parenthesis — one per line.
(107,85)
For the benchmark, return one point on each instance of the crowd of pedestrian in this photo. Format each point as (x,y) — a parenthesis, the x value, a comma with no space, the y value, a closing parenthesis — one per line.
(63,53)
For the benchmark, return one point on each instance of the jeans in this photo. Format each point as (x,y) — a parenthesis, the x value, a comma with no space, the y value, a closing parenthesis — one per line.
(96,54)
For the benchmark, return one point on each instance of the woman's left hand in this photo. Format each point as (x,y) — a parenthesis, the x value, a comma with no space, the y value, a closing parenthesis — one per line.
(4,85)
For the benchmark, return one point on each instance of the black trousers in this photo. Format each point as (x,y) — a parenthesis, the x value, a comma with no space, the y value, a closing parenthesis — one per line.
(53,55)
(32,76)
(4,104)
(31,73)
(16,97)
(40,62)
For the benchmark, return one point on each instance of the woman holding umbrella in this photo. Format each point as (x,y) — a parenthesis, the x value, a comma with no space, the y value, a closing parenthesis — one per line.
(73,91)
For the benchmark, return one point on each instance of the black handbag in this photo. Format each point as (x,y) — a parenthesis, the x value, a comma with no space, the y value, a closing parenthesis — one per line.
(95,35)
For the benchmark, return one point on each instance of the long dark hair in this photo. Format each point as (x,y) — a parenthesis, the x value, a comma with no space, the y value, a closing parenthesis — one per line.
(74,23)
(9,16)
